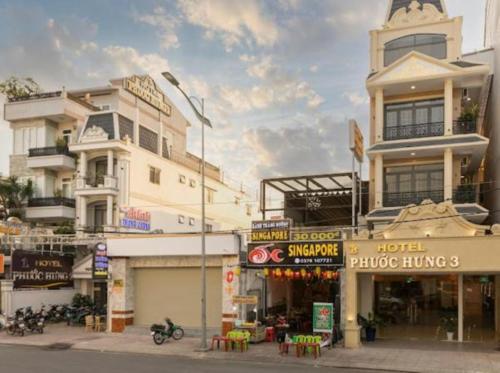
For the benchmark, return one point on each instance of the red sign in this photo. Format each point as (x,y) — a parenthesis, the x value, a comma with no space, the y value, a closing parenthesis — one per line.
(2,263)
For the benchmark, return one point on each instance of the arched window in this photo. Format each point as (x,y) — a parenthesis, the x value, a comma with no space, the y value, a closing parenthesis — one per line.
(433,45)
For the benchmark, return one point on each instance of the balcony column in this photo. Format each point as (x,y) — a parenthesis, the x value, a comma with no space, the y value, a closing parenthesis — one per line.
(110,162)
(83,211)
(379,181)
(379,115)
(83,164)
(109,211)
(448,175)
(448,107)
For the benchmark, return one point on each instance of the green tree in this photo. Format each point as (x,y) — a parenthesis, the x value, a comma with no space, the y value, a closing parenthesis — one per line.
(14,194)
(15,87)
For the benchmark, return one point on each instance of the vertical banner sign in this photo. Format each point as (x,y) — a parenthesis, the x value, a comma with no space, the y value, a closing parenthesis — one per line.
(2,264)
(356,141)
(322,317)
(101,263)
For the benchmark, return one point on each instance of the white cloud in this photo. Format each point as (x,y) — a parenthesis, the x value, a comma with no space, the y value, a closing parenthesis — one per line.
(166,25)
(356,99)
(232,21)
(313,68)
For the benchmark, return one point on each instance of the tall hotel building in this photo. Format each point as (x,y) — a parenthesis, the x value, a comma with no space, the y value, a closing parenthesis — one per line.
(114,158)
(428,109)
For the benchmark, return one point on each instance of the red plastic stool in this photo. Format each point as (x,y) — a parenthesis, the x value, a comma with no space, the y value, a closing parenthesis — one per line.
(270,334)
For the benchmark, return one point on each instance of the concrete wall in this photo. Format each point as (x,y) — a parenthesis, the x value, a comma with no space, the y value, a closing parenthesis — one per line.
(36,298)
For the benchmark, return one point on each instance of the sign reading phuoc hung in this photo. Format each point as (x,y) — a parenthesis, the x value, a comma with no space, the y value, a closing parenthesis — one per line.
(101,261)
(41,271)
(145,88)
(136,219)
(270,230)
(296,254)
(323,317)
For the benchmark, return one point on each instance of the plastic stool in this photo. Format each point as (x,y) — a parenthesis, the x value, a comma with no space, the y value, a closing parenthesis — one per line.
(270,334)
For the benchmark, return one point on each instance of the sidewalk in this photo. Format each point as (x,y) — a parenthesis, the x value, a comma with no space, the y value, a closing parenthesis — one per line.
(383,355)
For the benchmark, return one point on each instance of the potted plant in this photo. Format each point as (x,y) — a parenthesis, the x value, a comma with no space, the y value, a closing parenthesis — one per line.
(370,325)
(61,144)
(449,323)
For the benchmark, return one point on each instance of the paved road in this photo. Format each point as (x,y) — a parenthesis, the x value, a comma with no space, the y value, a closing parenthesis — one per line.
(17,359)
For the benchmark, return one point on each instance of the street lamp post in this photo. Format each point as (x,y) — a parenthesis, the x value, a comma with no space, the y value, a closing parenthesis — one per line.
(204,122)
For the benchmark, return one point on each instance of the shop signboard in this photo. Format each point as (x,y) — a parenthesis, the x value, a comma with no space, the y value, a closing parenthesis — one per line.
(101,261)
(323,317)
(2,264)
(245,299)
(271,230)
(296,254)
(135,219)
(356,141)
(41,271)
(317,235)
(145,88)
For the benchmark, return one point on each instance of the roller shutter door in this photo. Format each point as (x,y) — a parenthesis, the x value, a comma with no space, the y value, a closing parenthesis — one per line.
(176,293)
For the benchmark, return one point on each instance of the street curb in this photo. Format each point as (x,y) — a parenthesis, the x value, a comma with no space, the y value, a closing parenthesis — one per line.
(206,356)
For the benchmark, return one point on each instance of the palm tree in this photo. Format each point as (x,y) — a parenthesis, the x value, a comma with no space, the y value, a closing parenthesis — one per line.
(14,195)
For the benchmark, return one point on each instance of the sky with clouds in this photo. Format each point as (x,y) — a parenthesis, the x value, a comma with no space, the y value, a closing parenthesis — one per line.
(280,77)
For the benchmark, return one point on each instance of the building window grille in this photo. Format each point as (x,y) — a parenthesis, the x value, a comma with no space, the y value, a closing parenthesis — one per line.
(154,175)
(433,45)
(148,139)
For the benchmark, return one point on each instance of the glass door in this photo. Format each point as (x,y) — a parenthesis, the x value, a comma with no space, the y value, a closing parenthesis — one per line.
(479,308)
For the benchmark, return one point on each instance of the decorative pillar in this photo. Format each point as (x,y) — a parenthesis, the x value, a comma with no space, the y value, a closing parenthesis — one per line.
(83,164)
(83,212)
(110,163)
(379,181)
(448,107)
(448,175)
(231,287)
(352,329)
(121,295)
(460,307)
(379,115)
(6,289)
(109,210)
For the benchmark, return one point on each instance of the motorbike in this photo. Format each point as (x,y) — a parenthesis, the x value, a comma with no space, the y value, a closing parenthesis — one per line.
(56,313)
(163,332)
(15,324)
(35,322)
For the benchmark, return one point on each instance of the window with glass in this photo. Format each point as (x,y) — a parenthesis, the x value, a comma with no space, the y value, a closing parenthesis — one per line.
(154,175)
(433,45)
(414,119)
(405,185)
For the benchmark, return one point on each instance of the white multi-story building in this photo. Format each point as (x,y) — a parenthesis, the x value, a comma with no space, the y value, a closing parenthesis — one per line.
(428,135)
(114,158)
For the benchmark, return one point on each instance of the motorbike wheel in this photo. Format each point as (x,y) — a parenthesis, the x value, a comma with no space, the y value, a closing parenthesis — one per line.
(11,330)
(21,333)
(40,330)
(158,339)
(178,334)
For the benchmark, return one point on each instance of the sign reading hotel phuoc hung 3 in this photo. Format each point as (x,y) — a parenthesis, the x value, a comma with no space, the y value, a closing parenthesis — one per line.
(271,230)
(101,262)
(296,254)
(145,88)
(401,255)
(41,271)
(135,219)
(323,317)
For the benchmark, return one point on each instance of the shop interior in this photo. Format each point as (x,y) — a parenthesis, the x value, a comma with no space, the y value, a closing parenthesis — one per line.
(425,307)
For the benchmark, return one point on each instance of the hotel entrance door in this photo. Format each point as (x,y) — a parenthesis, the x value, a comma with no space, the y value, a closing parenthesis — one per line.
(413,306)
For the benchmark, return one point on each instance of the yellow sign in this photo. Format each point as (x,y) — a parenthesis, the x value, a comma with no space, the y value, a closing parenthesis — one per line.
(245,299)
(317,236)
(356,140)
(145,88)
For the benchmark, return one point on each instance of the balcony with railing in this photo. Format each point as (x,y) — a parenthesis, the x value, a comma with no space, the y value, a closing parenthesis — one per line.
(408,198)
(96,185)
(465,194)
(50,208)
(51,157)
(412,131)
(463,127)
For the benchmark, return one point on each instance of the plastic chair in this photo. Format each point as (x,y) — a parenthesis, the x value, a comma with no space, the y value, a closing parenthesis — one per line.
(99,326)
(89,323)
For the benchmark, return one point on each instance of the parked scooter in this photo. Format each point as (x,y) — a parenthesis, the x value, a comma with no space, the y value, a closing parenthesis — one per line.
(16,325)
(35,322)
(162,332)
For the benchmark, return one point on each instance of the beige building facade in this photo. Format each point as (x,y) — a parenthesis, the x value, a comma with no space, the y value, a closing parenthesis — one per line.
(114,159)
(428,105)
